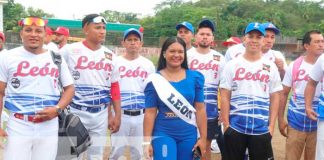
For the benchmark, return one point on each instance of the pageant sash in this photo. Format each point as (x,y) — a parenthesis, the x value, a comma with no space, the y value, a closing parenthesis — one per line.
(173,99)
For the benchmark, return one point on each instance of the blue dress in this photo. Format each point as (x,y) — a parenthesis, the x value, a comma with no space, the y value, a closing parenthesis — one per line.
(173,138)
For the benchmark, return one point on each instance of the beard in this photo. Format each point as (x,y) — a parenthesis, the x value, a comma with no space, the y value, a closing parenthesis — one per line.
(204,45)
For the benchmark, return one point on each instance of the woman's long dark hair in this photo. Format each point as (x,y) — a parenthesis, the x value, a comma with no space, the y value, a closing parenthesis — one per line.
(165,46)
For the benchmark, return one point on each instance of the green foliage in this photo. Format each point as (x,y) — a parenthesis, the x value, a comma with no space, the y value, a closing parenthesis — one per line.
(13,12)
(293,17)
(115,16)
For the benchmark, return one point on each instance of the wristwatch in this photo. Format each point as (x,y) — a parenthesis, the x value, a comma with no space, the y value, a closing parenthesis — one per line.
(58,109)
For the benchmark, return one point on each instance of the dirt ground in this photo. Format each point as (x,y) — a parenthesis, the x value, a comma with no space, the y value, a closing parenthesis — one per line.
(278,145)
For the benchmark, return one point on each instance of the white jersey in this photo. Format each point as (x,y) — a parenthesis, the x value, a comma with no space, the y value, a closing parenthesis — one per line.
(271,55)
(32,80)
(51,46)
(251,84)
(211,66)
(296,108)
(317,74)
(132,76)
(234,51)
(93,73)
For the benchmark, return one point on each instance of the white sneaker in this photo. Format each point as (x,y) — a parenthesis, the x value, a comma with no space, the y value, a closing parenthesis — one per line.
(214,147)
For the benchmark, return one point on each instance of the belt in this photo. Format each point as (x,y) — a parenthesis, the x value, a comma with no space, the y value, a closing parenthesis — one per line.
(88,109)
(134,112)
(30,118)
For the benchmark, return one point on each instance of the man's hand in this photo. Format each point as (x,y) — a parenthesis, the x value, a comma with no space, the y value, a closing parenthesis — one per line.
(311,114)
(283,127)
(279,63)
(3,136)
(271,130)
(46,114)
(113,123)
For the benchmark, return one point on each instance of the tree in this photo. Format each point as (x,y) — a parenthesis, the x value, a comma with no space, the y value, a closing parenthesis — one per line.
(120,17)
(38,12)
(13,12)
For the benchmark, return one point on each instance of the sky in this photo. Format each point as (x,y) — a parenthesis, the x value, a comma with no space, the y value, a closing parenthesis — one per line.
(76,9)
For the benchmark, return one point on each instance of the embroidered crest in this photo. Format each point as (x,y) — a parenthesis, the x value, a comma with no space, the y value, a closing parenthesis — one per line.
(266,67)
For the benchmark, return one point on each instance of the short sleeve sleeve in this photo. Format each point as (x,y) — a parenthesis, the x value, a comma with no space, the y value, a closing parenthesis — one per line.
(3,68)
(65,74)
(199,87)
(115,75)
(318,69)
(275,81)
(287,81)
(151,97)
(226,77)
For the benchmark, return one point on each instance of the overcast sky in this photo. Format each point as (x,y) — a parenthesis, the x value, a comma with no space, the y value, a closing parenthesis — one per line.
(69,9)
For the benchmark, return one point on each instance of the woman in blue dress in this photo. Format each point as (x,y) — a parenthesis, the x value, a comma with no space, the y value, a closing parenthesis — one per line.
(167,135)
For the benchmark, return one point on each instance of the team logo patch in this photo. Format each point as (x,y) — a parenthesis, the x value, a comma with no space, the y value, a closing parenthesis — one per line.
(234,86)
(15,82)
(216,57)
(108,55)
(76,75)
(266,67)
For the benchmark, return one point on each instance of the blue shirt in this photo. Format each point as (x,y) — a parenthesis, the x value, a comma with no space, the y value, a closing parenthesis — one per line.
(191,88)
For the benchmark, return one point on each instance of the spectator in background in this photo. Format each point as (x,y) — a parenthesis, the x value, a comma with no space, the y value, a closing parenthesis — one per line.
(61,36)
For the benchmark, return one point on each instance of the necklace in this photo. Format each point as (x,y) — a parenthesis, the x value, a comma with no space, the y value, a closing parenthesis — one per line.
(175,76)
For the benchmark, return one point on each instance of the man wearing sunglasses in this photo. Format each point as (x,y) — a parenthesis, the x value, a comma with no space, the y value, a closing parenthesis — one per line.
(96,80)
(30,78)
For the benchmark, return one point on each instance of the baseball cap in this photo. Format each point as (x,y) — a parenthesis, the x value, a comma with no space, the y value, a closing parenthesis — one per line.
(271,26)
(187,25)
(132,31)
(93,18)
(2,36)
(255,26)
(232,40)
(62,30)
(207,23)
(49,31)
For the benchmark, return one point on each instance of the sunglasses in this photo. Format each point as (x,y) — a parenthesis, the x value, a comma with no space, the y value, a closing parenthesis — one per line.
(32,20)
(99,19)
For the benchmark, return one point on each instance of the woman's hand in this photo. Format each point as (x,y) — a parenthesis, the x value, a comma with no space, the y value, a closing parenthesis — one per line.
(148,151)
(201,143)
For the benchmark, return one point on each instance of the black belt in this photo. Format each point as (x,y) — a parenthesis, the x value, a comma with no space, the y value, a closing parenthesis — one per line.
(133,112)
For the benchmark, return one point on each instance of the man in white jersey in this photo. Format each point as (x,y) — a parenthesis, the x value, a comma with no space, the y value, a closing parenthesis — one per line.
(250,87)
(61,36)
(96,81)
(316,76)
(133,69)
(33,98)
(268,42)
(300,131)
(186,31)
(210,63)
(273,55)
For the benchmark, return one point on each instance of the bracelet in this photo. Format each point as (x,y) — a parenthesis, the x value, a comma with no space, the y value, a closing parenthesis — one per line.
(146,143)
